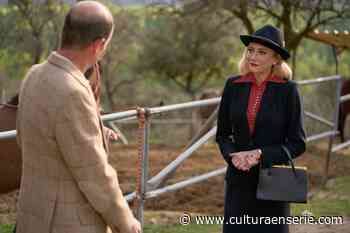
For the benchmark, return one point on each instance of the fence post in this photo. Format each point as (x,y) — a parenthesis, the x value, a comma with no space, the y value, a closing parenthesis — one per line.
(142,166)
(335,128)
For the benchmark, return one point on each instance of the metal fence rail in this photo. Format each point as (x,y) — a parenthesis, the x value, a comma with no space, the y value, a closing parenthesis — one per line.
(8,134)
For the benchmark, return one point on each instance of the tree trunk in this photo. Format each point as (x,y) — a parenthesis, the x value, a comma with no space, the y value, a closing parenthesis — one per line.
(294,63)
(194,118)
(108,94)
(38,51)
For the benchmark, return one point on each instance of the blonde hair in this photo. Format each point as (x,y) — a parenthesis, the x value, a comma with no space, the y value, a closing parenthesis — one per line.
(281,70)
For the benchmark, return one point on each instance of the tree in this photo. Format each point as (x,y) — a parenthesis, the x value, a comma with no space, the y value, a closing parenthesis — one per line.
(117,70)
(37,26)
(188,49)
(6,24)
(296,17)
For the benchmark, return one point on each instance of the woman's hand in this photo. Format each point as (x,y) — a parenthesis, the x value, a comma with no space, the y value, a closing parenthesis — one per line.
(239,160)
(245,160)
(111,135)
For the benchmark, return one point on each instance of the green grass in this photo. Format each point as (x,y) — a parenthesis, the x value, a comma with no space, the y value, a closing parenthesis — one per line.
(156,228)
(326,208)
(177,228)
(6,228)
(334,201)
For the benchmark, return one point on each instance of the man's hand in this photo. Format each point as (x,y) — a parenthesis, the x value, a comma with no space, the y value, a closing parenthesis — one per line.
(136,226)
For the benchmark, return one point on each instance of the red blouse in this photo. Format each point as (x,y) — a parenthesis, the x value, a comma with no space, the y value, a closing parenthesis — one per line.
(255,96)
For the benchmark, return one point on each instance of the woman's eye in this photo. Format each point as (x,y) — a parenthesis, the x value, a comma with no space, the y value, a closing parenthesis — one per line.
(262,52)
(250,51)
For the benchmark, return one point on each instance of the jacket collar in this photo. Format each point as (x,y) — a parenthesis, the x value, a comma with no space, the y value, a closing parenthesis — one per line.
(250,78)
(65,64)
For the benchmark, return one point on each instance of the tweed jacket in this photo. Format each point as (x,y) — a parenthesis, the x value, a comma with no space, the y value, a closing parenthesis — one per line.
(67,184)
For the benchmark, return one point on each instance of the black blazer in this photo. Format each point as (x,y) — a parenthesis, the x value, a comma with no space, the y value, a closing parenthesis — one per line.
(278,122)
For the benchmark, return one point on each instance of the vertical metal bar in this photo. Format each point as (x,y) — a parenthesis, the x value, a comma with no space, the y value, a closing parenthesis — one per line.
(3,96)
(145,163)
(144,168)
(334,49)
(138,200)
(335,128)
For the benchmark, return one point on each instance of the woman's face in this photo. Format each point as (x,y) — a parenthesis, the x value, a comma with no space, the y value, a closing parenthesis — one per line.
(260,58)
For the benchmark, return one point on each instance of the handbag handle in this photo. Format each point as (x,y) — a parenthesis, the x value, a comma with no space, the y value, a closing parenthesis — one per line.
(290,160)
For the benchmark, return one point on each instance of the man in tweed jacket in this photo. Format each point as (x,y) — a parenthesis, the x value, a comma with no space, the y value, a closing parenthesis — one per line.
(67,184)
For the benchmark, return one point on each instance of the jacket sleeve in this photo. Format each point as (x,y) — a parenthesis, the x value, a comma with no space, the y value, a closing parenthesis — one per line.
(79,138)
(295,136)
(19,108)
(224,125)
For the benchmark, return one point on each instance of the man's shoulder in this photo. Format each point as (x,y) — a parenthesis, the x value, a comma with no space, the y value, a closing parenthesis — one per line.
(45,70)
(53,81)
(61,79)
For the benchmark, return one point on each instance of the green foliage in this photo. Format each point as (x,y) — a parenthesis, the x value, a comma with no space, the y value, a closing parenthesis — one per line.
(179,53)
(189,50)
(177,228)
(121,55)
(6,228)
(29,32)
(15,64)
(317,60)
(37,26)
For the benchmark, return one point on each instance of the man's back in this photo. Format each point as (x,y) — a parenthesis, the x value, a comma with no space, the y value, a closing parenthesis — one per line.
(65,167)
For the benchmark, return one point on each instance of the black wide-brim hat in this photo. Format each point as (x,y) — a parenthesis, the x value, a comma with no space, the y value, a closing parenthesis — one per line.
(270,37)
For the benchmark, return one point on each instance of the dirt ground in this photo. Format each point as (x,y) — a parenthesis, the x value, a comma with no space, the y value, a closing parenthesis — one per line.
(206,197)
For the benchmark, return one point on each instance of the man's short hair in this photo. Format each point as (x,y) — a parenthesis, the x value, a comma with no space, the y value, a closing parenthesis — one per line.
(79,32)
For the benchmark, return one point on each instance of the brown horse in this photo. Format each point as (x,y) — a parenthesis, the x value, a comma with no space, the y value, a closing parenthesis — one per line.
(344,109)
(10,155)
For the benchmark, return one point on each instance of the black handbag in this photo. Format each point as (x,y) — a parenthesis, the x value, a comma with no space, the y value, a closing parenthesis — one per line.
(283,183)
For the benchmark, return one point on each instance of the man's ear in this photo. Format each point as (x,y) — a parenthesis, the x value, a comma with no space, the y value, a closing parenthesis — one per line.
(97,45)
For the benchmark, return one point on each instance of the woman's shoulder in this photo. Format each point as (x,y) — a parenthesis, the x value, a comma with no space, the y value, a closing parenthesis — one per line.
(228,87)
(291,84)
(231,80)
(291,87)
(287,83)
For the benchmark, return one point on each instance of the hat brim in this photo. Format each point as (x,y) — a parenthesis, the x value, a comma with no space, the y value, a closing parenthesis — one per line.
(246,39)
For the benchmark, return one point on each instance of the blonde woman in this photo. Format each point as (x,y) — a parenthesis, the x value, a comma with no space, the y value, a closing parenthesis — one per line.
(260,111)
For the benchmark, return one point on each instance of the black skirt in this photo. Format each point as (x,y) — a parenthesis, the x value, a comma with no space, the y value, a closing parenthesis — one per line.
(240,201)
